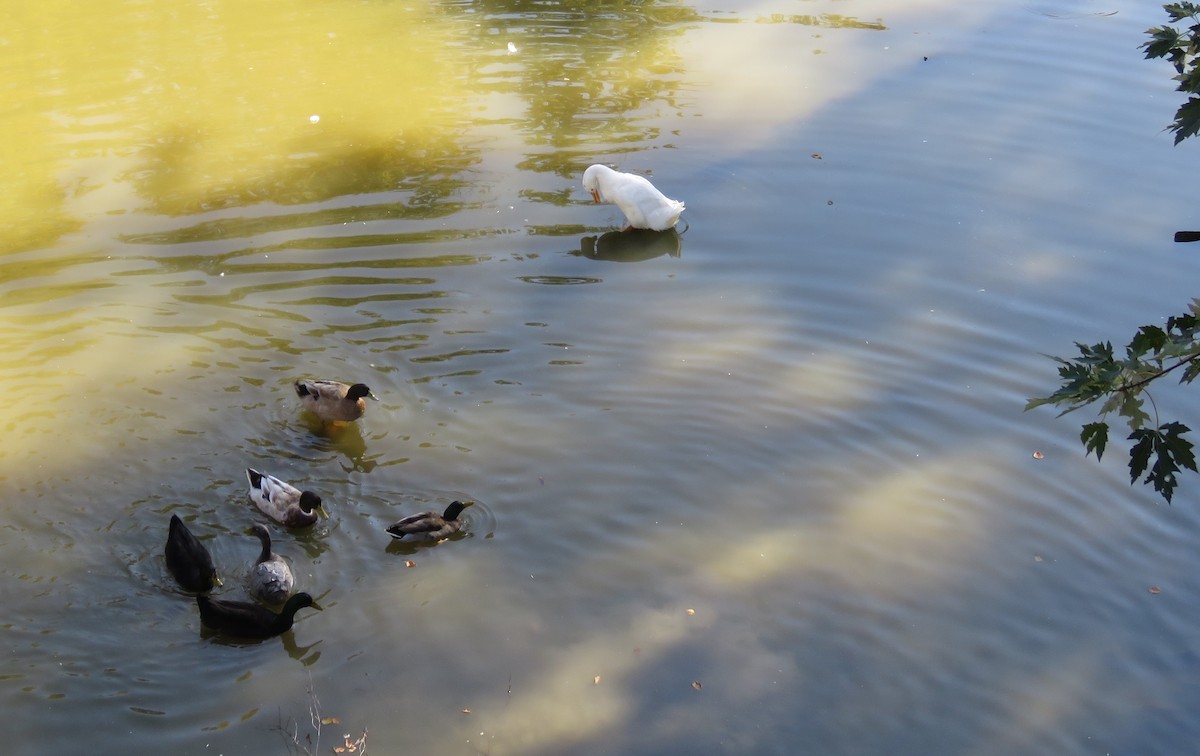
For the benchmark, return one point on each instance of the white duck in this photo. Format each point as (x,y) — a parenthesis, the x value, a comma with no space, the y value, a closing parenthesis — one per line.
(282,501)
(643,205)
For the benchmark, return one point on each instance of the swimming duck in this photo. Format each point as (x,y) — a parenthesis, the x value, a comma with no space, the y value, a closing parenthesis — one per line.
(283,502)
(242,619)
(333,401)
(187,559)
(271,578)
(643,205)
(430,526)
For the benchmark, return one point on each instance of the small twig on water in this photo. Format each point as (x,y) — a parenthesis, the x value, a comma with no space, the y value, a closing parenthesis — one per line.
(311,744)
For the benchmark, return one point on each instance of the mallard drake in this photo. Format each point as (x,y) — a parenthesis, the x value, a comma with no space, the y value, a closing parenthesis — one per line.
(242,619)
(187,559)
(283,502)
(333,401)
(643,205)
(430,526)
(271,578)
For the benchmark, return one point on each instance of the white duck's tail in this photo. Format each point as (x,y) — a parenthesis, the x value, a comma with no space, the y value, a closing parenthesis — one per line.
(666,216)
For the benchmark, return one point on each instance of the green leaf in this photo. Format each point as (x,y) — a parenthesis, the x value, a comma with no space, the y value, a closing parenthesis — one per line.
(1182,327)
(1096,354)
(1163,40)
(1187,120)
(1148,339)
(1139,455)
(1095,438)
(1038,401)
(1131,409)
(1180,447)
(1180,11)
(1190,372)
(1169,450)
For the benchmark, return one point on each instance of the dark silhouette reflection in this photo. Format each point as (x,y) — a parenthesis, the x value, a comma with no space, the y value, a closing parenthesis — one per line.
(631,245)
(306,655)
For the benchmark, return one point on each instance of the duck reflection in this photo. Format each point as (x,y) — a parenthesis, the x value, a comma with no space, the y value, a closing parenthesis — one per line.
(345,439)
(411,548)
(307,655)
(631,245)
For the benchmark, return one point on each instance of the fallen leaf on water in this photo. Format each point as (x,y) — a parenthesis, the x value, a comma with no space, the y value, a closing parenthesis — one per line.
(697,685)
(816,156)
(339,749)
(466,711)
(1155,590)
(1038,455)
(330,720)
(691,612)
(596,680)
(409,563)
(1037,557)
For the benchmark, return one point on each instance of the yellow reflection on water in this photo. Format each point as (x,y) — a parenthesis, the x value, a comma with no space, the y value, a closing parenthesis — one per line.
(217,103)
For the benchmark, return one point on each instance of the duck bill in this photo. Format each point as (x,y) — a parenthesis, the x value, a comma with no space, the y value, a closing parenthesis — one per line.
(595,195)
(323,511)
(317,606)
(218,581)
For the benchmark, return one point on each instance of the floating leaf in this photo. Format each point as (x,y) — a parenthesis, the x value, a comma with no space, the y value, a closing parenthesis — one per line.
(691,612)
(596,680)
(1038,455)
(697,685)
(331,721)
(1155,589)
(409,563)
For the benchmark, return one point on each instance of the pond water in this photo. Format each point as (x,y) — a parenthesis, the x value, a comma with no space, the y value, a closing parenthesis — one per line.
(761,486)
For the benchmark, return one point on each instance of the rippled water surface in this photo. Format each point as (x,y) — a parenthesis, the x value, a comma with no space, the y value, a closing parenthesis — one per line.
(761,486)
